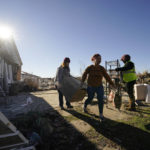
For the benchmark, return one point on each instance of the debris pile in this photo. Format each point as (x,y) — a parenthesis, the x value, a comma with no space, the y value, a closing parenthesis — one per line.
(49,130)
(144,77)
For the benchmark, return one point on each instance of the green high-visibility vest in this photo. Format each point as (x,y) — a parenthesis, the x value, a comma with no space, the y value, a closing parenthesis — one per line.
(129,75)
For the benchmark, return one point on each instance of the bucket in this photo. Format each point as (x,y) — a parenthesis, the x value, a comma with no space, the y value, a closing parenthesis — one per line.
(140,91)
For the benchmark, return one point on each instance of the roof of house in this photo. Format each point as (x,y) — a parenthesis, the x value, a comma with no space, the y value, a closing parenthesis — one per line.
(9,51)
(29,74)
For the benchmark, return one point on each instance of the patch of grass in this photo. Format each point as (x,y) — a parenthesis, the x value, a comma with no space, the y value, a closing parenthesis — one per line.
(139,119)
(70,118)
(145,111)
(139,122)
(93,134)
(118,134)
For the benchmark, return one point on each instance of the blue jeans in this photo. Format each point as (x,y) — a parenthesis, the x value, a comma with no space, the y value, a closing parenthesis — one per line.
(100,94)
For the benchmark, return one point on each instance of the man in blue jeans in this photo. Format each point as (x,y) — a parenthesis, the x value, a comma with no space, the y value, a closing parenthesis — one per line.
(95,74)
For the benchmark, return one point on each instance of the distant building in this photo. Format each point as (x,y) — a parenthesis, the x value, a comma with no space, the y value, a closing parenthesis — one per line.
(25,75)
(37,82)
(10,65)
(46,83)
(30,80)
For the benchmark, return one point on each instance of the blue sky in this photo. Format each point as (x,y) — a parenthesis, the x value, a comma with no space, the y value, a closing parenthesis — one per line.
(46,31)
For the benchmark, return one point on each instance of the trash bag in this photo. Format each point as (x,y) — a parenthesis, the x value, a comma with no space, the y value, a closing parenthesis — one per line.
(115,98)
(111,96)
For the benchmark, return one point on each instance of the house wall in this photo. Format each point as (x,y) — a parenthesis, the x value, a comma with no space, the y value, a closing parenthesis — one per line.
(7,75)
(10,64)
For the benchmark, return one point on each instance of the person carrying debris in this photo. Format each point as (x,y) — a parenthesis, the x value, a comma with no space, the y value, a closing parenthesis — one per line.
(95,73)
(129,78)
(62,71)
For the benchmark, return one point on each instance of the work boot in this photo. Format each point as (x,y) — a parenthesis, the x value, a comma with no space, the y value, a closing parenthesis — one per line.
(62,108)
(128,106)
(131,105)
(101,118)
(70,106)
(131,109)
(85,109)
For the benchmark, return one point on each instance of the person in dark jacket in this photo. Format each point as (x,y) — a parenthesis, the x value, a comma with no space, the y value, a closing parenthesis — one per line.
(129,78)
(62,71)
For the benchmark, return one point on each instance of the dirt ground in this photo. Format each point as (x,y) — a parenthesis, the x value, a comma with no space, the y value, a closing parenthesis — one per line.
(104,136)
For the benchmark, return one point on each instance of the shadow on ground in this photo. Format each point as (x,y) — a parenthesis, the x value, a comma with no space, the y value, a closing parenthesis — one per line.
(56,132)
(128,137)
(147,126)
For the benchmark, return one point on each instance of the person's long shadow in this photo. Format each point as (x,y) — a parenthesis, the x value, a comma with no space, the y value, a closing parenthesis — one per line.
(128,137)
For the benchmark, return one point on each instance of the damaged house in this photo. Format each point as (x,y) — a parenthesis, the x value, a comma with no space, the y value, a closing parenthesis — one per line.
(34,82)
(10,65)
(46,84)
(31,81)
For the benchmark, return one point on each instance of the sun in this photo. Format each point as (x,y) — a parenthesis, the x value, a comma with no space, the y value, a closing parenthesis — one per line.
(5,32)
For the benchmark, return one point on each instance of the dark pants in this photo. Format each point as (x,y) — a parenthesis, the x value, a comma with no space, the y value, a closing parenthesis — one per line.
(130,89)
(100,94)
(61,99)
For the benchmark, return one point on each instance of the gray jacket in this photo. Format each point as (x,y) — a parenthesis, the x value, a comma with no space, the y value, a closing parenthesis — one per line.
(61,73)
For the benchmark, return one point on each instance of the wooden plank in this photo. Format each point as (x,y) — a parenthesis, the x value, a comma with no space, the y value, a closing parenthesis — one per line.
(25,148)
(10,140)
(13,145)
(7,122)
(4,129)
(10,134)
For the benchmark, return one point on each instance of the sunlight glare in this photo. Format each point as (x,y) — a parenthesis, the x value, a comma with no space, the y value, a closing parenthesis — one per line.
(5,32)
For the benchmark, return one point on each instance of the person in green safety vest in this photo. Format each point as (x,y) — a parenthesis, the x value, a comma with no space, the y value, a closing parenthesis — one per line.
(129,78)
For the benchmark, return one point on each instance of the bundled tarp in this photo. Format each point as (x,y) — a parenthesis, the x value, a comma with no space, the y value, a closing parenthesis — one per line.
(71,89)
(115,98)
